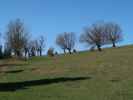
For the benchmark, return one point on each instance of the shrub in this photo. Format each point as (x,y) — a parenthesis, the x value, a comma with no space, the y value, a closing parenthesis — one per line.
(74,51)
(50,52)
(56,53)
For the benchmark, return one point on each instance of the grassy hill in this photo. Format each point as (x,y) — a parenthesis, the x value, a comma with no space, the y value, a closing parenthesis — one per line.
(106,75)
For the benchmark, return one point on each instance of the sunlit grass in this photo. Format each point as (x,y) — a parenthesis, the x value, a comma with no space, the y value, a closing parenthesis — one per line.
(105,75)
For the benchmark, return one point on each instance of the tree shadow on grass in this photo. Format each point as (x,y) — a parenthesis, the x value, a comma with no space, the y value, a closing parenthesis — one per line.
(14,86)
(6,65)
(14,71)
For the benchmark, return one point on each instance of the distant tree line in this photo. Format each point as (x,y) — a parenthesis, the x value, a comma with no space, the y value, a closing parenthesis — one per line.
(19,43)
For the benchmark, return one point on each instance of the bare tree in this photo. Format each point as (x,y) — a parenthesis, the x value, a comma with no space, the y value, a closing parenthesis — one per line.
(71,38)
(66,41)
(94,35)
(61,42)
(16,36)
(114,33)
(41,44)
(33,47)
(7,50)
(26,47)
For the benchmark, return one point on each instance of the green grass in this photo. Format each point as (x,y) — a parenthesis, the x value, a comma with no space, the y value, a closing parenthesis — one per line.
(106,75)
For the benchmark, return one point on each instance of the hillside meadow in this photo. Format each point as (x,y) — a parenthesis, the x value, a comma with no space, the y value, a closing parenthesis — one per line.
(106,75)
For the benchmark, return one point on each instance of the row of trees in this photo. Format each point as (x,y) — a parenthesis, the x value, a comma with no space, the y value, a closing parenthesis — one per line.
(97,35)
(102,34)
(19,42)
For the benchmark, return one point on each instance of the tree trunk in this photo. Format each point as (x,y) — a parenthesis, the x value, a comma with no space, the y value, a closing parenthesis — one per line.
(69,51)
(25,52)
(99,47)
(114,44)
(17,53)
(64,51)
(29,53)
(32,53)
(40,52)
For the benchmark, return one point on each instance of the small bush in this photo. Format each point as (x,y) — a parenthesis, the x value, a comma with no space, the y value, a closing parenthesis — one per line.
(74,51)
(56,53)
(50,52)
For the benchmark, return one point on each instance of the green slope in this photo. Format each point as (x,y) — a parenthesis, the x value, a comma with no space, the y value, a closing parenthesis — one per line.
(106,75)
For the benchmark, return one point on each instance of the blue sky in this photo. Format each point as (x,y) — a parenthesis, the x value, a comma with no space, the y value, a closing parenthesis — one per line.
(51,17)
